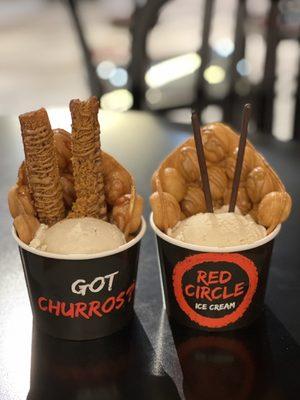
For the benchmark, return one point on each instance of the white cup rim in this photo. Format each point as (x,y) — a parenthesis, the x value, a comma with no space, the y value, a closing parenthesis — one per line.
(211,249)
(79,257)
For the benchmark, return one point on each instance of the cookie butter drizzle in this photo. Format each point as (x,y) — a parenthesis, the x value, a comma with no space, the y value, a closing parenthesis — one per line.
(42,168)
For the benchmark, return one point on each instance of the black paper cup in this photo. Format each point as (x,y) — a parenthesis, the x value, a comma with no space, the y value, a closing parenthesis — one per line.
(213,288)
(81,297)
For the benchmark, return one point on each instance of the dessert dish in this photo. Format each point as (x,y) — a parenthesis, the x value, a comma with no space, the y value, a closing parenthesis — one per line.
(78,224)
(178,189)
(217,208)
(67,176)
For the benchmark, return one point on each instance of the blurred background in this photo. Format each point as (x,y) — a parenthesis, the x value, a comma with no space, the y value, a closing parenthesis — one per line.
(156,55)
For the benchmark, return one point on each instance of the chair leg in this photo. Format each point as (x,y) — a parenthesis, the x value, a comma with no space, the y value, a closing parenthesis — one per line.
(266,103)
(232,110)
(204,53)
(93,80)
(143,20)
(297,108)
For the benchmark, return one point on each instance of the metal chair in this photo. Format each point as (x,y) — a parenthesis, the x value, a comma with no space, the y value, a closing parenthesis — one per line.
(260,95)
(94,82)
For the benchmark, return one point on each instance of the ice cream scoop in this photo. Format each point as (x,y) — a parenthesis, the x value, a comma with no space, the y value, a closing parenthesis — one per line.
(219,229)
(78,236)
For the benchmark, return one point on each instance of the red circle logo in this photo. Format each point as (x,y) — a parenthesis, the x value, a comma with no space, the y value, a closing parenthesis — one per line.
(215,289)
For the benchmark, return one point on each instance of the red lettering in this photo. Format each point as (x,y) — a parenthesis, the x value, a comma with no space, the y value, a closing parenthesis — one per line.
(227,295)
(225,276)
(130,291)
(41,307)
(202,277)
(120,300)
(106,308)
(86,310)
(70,312)
(54,307)
(239,289)
(213,277)
(188,292)
(214,294)
(94,309)
(205,293)
(80,310)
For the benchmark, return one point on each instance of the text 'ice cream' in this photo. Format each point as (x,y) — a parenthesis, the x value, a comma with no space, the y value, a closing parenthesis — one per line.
(218,229)
(78,236)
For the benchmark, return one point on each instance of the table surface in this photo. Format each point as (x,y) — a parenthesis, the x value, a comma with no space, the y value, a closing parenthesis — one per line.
(151,359)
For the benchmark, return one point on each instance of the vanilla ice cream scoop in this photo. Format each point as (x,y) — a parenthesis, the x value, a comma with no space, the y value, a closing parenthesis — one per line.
(78,236)
(219,229)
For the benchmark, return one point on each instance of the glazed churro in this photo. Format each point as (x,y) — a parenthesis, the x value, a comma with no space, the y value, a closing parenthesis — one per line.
(41,166)
(86,160)
(68,175)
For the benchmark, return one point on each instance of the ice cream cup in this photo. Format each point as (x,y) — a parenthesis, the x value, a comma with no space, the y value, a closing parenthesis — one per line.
(213,288)
(81,297)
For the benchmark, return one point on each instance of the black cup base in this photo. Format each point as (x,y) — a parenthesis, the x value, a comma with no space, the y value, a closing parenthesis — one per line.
(82,299)
(84,337)
(214,291)
(229,328)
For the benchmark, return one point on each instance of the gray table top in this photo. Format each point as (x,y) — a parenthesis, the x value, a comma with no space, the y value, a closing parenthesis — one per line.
(140,141)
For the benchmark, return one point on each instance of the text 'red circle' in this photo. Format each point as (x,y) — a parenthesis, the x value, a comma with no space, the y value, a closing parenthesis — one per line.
(190,262)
